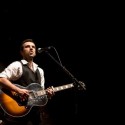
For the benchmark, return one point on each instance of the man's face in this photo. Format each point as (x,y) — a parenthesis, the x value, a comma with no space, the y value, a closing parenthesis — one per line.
(29,50)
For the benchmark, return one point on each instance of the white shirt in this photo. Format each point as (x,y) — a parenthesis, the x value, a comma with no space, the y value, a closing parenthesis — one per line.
(14,71)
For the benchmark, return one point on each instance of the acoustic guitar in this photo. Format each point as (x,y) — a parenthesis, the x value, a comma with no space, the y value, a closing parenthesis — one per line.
(12,105)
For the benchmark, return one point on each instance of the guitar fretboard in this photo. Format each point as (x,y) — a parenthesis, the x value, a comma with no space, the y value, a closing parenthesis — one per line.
(59,88)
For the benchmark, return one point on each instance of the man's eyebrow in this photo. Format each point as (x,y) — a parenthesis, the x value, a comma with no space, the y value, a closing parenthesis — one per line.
(30,45)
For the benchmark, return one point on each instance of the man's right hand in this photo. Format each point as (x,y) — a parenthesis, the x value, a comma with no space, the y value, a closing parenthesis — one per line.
(23,94)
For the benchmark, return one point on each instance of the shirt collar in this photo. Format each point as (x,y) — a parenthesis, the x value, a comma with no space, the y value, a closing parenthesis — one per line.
(24,62)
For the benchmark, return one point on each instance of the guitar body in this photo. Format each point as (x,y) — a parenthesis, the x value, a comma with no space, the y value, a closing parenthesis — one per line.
(11,107)
(11,104)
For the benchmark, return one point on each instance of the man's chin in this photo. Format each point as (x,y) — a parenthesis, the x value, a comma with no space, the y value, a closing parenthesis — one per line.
(32,56)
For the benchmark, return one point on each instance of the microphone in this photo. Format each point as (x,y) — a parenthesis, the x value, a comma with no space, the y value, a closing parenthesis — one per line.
(40,50)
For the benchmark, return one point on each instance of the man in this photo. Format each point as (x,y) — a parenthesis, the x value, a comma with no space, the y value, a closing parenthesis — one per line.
(24,73)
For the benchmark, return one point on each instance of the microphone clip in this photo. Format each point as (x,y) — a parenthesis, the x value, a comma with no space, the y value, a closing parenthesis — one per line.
(40,50)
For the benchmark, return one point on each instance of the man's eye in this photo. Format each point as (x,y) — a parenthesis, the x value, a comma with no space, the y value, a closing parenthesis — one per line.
(33,47)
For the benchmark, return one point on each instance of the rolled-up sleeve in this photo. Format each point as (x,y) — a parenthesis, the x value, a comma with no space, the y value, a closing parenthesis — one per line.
(12,71)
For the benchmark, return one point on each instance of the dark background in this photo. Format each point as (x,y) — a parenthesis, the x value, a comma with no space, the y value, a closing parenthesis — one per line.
(79,32)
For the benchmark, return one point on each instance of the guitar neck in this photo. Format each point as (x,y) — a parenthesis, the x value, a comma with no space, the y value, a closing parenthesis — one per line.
(63,87)
(55,89)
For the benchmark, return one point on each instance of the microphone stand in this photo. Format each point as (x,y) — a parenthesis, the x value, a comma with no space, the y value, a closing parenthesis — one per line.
(79,84)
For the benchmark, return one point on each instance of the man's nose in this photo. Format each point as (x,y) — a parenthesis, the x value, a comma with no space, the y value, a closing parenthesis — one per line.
(31,47)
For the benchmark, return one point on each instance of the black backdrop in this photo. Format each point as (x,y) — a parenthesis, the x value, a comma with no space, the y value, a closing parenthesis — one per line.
(77,31)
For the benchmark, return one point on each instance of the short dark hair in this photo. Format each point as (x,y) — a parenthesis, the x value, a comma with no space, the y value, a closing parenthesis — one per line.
(24,41)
